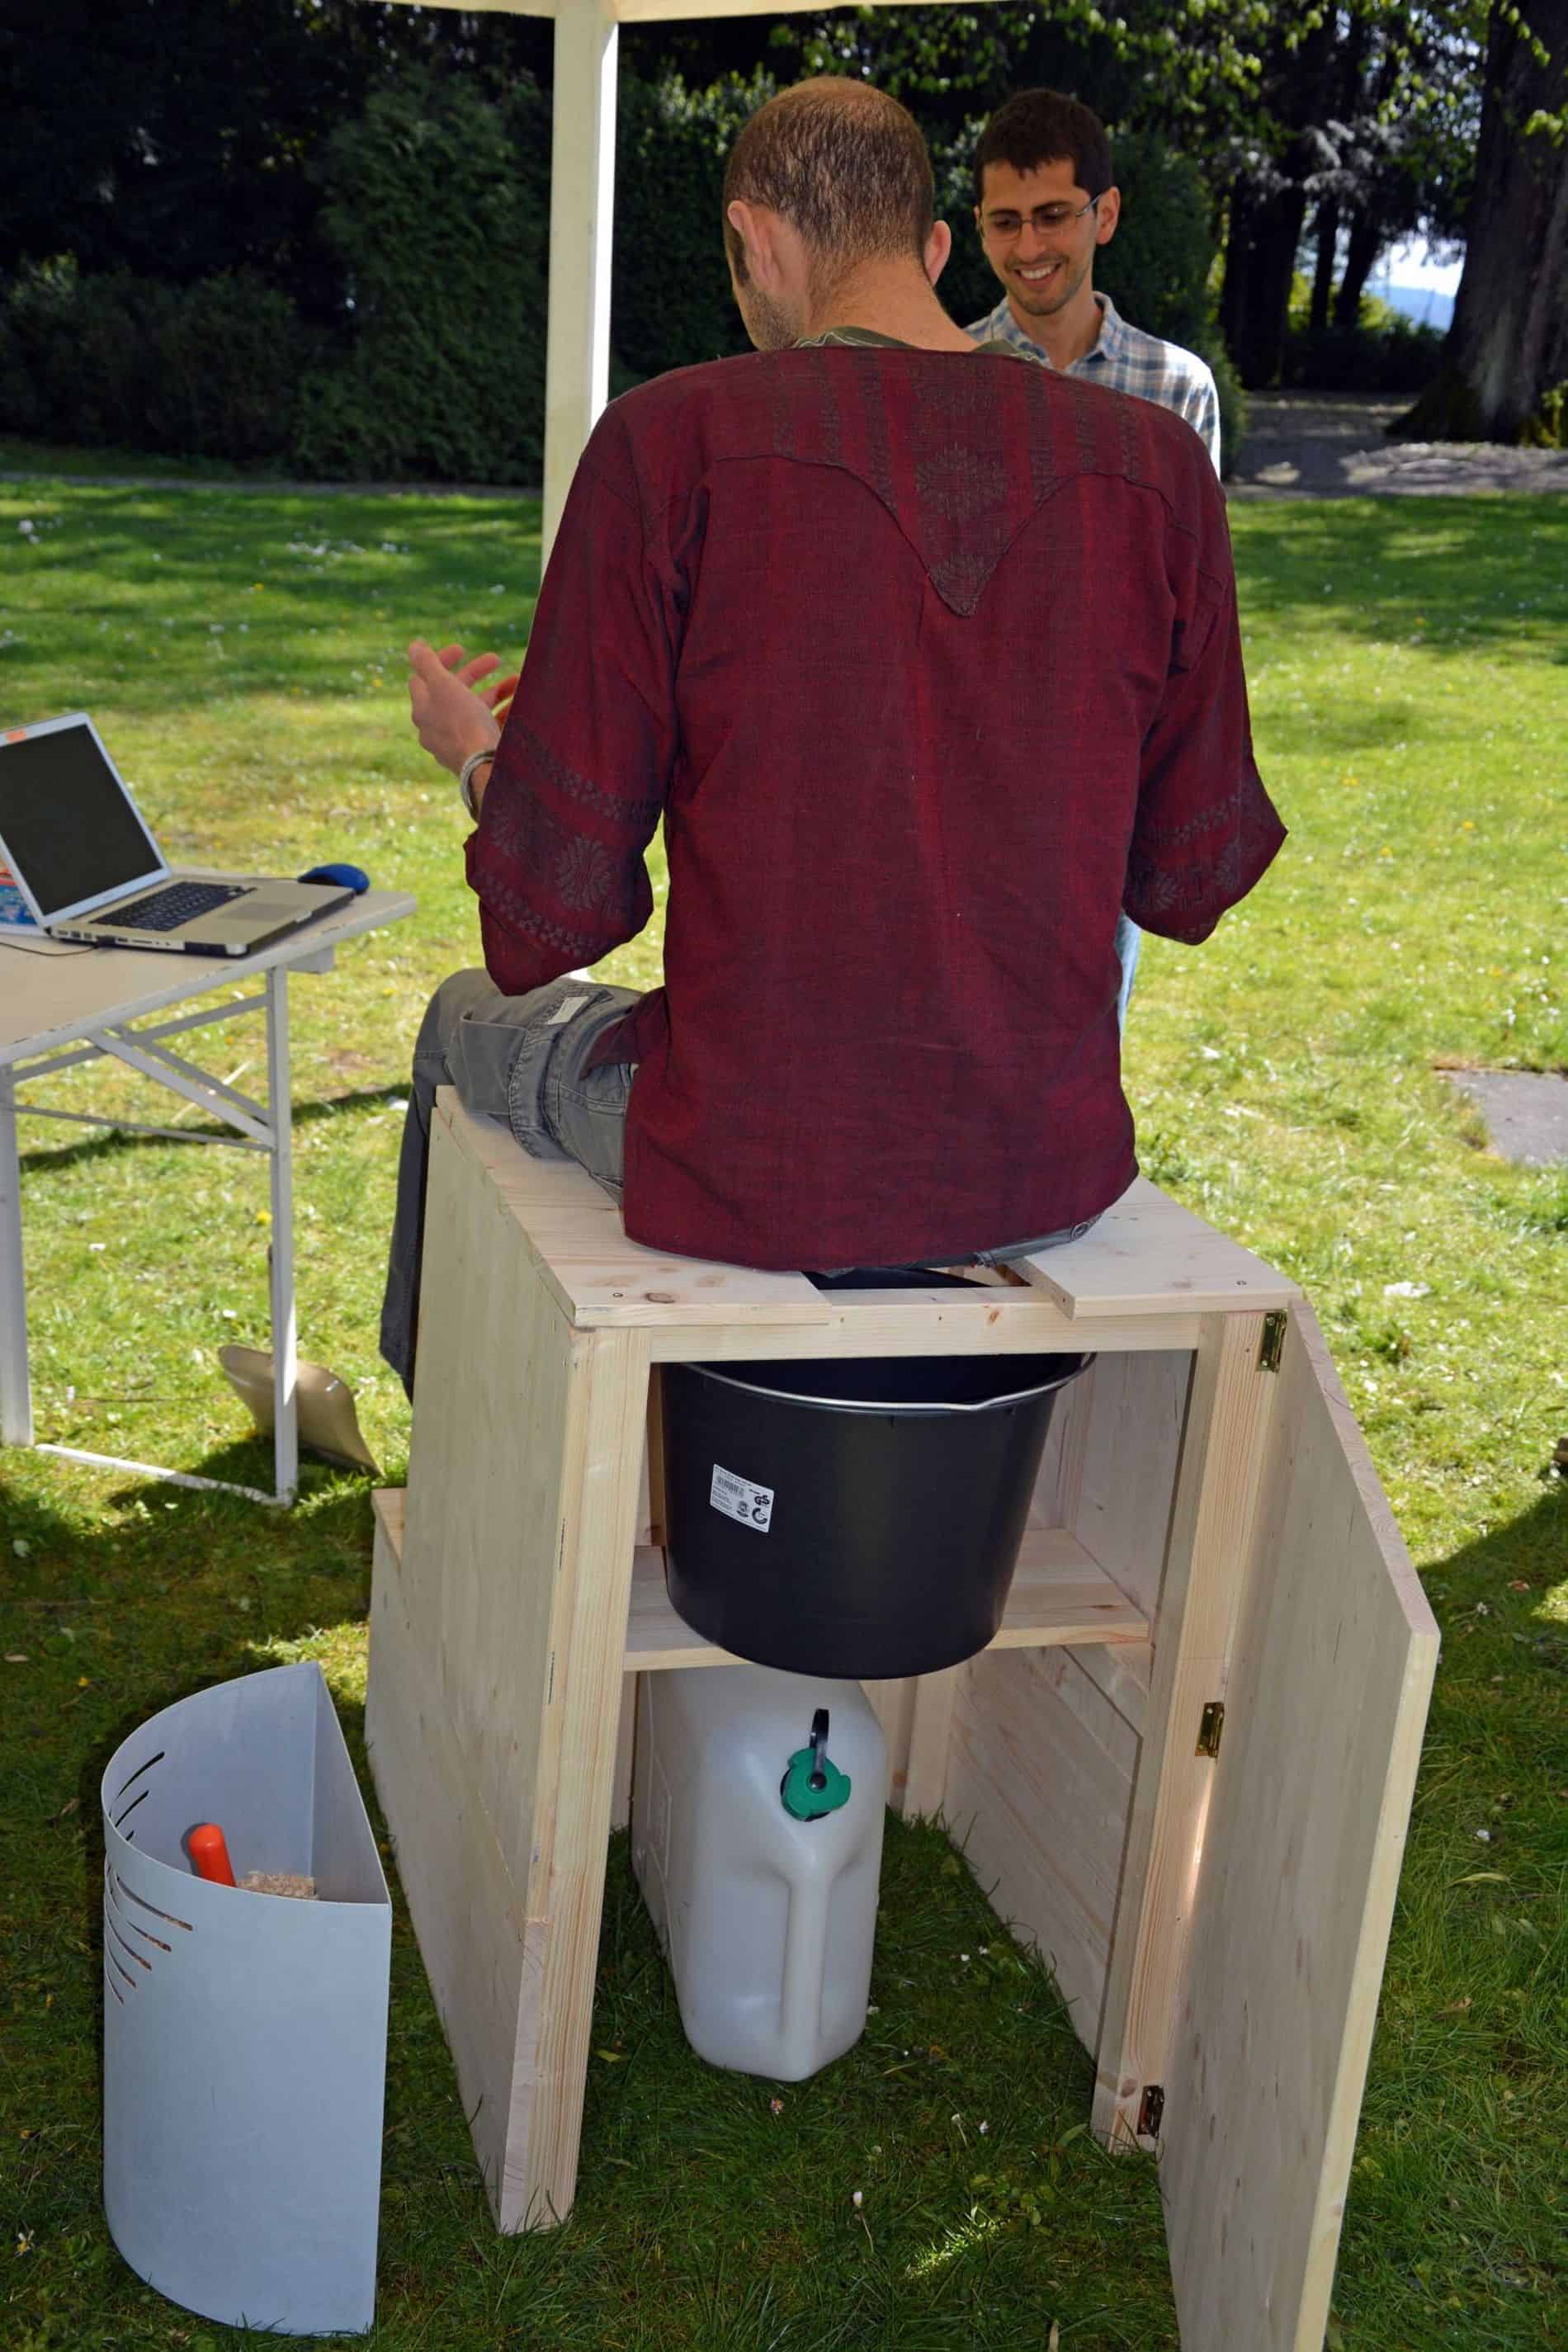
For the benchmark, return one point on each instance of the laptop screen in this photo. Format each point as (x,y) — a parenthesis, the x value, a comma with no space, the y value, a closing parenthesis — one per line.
(70,834)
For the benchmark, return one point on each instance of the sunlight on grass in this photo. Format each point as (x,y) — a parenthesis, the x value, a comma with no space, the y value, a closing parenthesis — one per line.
(341,1651)
(970,2234)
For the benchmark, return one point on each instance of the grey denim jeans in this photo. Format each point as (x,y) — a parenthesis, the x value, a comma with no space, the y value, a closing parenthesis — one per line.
(514,1057)
(522,1058)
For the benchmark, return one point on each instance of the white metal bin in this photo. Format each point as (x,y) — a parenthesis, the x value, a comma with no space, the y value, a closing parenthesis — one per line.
(244,2035)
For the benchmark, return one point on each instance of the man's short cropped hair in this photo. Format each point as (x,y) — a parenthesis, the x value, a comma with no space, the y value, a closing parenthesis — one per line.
(1041,126)
(846,164)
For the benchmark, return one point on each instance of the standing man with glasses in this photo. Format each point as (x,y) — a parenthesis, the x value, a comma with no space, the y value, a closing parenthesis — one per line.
(1045,203)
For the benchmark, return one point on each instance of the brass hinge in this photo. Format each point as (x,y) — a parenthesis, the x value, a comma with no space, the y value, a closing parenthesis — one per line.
(1150,2111)
(1211,1728)
(1273,1342)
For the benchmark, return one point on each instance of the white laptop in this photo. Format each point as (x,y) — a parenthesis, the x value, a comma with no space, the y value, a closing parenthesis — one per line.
(88,867)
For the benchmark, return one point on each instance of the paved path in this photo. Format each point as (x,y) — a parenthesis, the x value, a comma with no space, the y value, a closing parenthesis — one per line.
(1308,445)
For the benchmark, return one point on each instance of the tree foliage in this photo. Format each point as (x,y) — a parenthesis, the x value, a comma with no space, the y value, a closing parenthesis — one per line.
(259,141)
(438,211)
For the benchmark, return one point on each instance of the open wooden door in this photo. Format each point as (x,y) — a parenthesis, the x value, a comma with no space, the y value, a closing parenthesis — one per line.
(1325,1708)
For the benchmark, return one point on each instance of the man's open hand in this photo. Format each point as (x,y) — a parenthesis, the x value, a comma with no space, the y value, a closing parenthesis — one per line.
(452,712)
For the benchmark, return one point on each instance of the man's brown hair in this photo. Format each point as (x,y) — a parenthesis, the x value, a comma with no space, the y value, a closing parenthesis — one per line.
(846,164)
(1041,126)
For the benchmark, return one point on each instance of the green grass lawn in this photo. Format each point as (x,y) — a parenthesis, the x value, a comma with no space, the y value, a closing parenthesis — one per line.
(241,651)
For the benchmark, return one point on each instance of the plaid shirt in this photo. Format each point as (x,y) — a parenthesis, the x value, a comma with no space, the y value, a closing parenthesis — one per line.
(1127,360)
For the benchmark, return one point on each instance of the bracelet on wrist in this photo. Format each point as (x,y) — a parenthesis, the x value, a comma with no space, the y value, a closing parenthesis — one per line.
(465,779)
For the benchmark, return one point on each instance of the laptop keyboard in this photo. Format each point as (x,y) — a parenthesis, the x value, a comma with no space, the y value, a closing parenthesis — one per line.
(166,909)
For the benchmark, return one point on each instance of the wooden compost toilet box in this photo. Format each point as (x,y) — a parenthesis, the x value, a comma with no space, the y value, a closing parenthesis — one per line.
(1185,1767)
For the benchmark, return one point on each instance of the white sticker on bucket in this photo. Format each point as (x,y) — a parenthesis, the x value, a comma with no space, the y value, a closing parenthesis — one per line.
(739,1499)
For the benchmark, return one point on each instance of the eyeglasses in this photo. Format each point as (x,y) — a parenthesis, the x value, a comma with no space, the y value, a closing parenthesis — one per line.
(1045,220)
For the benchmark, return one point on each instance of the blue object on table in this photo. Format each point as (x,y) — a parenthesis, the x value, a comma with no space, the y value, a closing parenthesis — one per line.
(351,877)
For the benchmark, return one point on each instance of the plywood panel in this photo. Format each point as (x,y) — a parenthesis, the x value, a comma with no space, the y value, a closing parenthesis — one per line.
(520,1526)
(1208,1557)
(487,1471)
(625,1743)
(1124,1465)
(919,1323)
(575,1786)
(600,1277)
(1038,1789)
(893,1705)
(1122,1671)
(1054,1502)
(1328,1700)
(1147,1252)
(480,1951)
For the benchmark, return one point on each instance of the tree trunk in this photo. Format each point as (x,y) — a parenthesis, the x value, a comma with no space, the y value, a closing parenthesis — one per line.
(1260,257)
(1328,233)
(1509,342)
(1365,244)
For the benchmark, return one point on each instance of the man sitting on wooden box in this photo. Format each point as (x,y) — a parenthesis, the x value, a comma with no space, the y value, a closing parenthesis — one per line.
(928,659)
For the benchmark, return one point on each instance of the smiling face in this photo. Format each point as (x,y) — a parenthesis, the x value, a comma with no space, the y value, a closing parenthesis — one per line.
(1046,264)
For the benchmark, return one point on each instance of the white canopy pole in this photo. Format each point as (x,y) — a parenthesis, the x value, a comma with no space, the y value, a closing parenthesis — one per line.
(582,205)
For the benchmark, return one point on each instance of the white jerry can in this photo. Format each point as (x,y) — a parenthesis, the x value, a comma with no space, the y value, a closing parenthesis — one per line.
(757,1811)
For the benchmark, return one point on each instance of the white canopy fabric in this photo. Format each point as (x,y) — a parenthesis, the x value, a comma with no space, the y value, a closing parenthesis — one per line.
(582,205)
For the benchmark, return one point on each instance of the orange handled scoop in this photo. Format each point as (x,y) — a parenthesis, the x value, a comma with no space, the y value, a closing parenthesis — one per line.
(208,1850)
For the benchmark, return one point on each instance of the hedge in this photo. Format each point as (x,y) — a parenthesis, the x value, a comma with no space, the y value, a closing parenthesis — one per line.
(434,212)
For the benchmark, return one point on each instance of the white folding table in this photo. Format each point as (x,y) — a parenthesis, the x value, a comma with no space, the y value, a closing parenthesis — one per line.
(63,1007)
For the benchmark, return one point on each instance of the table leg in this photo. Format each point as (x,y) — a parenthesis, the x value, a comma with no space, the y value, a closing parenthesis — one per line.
(285,1358)
(16,1388)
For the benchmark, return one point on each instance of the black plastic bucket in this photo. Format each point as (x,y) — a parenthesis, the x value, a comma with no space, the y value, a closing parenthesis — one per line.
(856,1515)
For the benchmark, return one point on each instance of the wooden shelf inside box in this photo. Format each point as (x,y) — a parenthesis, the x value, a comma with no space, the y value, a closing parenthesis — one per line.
(1059,1596)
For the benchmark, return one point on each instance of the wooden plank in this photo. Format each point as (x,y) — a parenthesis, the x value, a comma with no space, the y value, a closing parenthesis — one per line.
(1314,1784)
(1148,1251)
(1054,1502)
(520,1520)
(576,1763)
(491,1463)
(893,1704)
(930,1735)
(480,1951)
(1209,1552)
(654,1464)
(604,1280)
(1038,1789)
(1059,1596)
(460,1671)
(626,1747)
(600,1277)
(909,1323)
(655,1637)
(1122,1671)
(387,1505)
(1127,1452)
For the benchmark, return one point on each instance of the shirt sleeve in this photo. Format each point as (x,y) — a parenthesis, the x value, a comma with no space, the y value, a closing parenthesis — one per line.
(1202,415)
(584,759)
(1206,829)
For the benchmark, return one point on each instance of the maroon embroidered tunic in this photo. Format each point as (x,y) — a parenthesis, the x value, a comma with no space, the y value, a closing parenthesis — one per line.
(930,663)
